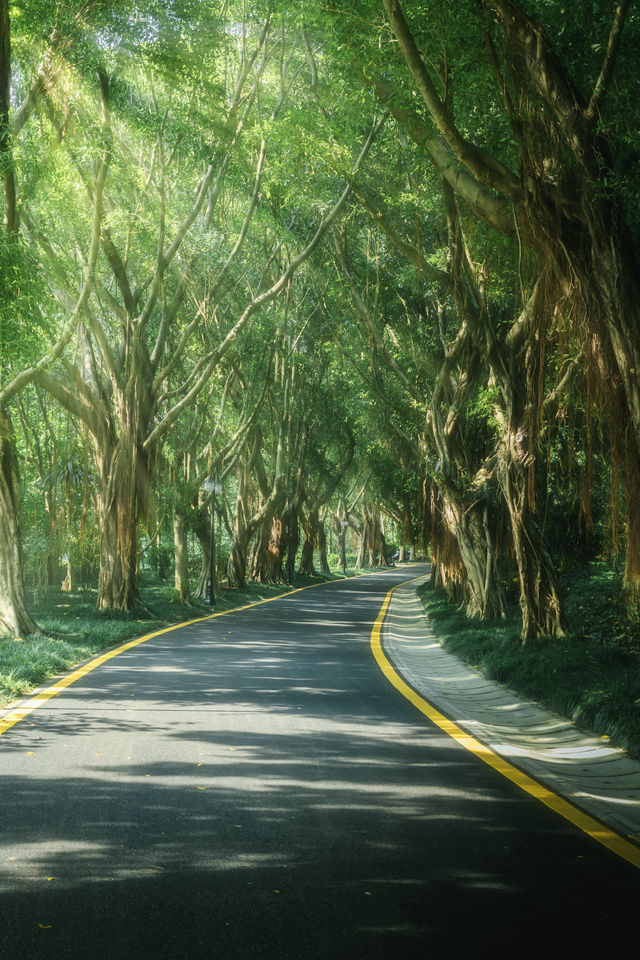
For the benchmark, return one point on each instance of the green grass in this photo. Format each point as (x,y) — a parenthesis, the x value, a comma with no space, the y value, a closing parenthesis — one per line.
(73,630)
(591,676)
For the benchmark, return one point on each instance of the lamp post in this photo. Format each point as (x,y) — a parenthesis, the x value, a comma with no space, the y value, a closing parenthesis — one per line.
(212,486)
(344,523)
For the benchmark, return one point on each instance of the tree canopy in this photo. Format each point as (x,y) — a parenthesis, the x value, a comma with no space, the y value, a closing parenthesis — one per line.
(371,266)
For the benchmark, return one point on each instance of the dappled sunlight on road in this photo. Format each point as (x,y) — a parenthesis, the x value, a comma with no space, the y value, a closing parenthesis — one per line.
(250,776)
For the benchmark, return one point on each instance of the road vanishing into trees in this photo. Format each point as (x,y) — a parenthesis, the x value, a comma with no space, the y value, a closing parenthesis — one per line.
(252,786)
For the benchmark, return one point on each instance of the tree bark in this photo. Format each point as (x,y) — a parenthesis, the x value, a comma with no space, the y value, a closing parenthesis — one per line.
(181,572)
(267,557)
(468,523)
(306,567)
(14,616)
(325,569)
(310,525)
(237,564)
(120,472)
(566,203)
(292,541)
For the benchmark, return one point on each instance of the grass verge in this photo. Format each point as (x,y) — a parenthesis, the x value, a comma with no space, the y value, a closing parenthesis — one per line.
(591,676)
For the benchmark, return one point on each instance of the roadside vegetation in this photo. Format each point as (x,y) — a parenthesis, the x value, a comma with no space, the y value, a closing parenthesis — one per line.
(323,279)
(590,676)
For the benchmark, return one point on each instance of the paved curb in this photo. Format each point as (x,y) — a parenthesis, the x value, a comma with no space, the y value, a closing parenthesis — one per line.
(593,775)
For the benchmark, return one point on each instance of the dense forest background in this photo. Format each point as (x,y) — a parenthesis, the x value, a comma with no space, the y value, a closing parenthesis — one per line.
(372,269)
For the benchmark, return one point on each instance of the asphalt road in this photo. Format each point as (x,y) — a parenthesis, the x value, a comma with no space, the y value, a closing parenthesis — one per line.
(252,786)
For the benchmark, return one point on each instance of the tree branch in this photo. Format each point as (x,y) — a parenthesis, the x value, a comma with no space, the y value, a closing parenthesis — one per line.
(484,167)
(610,57)
(492,209)
(26,376)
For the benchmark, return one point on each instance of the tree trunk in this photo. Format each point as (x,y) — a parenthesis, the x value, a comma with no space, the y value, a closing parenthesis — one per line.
(181,572)
(203,577)
(268,551)
(310,525)
(119,475)
(340,535)
(542,611)
(469,524)
(201,528)
(463,557)
(14,616)
(68,584)
(237,564)
(292,540)
(447,569)
(612,314)
(365,537)
(306,567)
(325,569)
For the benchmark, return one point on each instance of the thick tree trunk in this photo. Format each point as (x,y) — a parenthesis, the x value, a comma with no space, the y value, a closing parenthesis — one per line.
(310,525)
(266,564)
(365,539)
(463,561)
(201,528)
(340,534)
(119,474)
(181,570)
(408,534)
(203,576)
(542,611)
(610,275)
(237,564)
(14,616)
(469,524)
(292,540)
(306,567)
(447,570)
(325,569)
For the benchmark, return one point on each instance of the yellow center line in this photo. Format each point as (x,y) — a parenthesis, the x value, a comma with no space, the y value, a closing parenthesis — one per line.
(589,825)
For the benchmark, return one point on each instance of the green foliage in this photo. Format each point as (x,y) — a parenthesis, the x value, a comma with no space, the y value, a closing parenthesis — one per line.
(310,370)
(24,301)
(591,676)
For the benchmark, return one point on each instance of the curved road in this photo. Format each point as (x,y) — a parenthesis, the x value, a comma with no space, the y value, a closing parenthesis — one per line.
(251,786)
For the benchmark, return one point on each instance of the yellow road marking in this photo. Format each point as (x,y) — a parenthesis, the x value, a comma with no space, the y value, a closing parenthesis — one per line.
(19,713)
(589,825)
